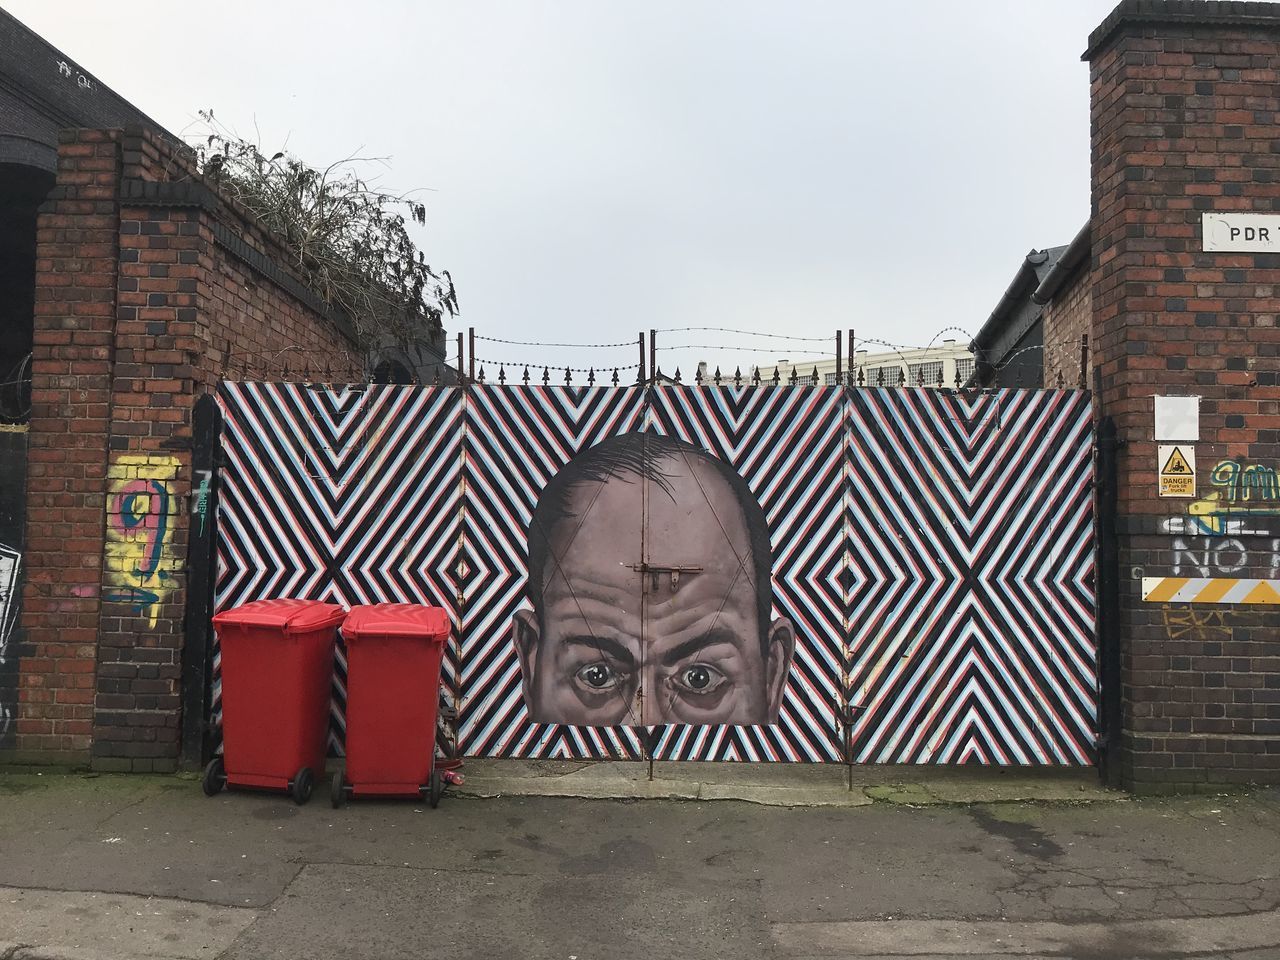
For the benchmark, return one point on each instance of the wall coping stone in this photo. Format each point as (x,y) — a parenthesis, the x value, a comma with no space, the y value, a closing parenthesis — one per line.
(1230,13)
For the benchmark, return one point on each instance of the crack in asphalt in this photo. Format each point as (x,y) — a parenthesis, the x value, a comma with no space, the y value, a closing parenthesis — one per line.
(415,868)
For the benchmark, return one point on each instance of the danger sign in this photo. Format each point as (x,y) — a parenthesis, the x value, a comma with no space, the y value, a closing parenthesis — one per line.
(1177,471)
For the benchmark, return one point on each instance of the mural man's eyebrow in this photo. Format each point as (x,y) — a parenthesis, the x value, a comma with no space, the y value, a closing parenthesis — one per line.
(606,645)
(700,642)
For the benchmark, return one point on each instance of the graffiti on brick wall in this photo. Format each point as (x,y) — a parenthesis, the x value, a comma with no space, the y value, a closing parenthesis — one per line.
(10,585)
(1245,501)
(1209,556)
(141,510)
(1190,623)
(10,597)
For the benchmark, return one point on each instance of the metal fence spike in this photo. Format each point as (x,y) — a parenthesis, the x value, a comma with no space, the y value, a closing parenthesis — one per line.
(568,376)
(525,376)
(615,376)
(480,377)
(591,376)
(777,376)
(697,375)
(794,378)
(546,376)
(502,374)
(676,378)
(717,376)
(737,376)
(755,375)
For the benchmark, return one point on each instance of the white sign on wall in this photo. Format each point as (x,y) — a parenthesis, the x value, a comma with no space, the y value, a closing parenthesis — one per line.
(1177,418)
(1241,232)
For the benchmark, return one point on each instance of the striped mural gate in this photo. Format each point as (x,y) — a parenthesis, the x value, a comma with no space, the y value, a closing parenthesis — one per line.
(750,573)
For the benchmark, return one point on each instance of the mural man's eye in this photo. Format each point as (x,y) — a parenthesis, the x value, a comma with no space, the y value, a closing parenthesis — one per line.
(699,678)
(598,676)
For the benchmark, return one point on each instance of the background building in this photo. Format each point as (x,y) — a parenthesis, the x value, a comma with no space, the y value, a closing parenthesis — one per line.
(949,364)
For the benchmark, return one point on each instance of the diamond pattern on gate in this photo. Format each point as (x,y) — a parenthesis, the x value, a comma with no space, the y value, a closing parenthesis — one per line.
(349,495)
(517,439)
(788,444)
(972,597)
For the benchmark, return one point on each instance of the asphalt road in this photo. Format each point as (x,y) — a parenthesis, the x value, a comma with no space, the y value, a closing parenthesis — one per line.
(109,867)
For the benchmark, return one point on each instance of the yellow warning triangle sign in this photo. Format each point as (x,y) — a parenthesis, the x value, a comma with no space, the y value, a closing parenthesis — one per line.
(1177,465)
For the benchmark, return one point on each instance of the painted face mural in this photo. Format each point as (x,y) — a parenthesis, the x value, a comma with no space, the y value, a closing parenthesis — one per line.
(649,576)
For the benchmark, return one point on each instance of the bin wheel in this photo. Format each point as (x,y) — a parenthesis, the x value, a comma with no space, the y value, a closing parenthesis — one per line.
(300,786)
(215,777)
(337,791)
(435,787)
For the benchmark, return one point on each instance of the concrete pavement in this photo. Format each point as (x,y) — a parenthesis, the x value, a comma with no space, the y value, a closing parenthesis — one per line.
(782,785)
(101,868)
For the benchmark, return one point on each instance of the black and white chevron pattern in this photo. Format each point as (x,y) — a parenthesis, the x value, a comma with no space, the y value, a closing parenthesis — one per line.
(934,550)
(518,438)
(348,496)
(971,560)
(788,445)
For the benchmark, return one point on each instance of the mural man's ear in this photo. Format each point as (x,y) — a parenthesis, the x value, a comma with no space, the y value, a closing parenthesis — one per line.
(782,645)
(525,634)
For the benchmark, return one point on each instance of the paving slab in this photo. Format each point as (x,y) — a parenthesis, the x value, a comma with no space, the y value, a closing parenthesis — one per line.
(784,785)
(73,925)
(392,913)
(1187,937)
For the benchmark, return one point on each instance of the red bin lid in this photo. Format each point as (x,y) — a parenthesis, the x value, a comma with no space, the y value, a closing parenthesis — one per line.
(408,620)
(287,616)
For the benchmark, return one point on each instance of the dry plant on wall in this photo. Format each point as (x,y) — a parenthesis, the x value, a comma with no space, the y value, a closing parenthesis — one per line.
(350,238)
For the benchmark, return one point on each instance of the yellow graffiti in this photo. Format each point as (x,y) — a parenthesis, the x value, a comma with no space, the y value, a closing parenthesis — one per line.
(1193,624)
(1242,491)
(142,508)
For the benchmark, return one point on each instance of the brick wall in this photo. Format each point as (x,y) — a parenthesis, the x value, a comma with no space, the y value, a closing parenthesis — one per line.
(76,245)
(1185,98)
(148,284)
(1066,319)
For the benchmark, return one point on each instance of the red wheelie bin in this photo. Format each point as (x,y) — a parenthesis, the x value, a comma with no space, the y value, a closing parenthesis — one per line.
(277,673)
(394,652)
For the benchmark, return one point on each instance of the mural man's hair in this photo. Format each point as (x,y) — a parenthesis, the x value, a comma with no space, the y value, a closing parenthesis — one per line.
(629,457)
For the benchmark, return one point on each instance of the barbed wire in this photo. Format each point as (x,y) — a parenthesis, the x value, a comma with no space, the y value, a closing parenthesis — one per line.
(747,333)
(711,346)
(539,343)
(606,367)
(968,336)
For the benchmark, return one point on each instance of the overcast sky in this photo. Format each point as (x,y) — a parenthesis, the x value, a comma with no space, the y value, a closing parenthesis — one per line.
(599,168)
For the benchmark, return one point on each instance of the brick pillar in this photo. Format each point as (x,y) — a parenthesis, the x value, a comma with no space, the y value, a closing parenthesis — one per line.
(71,394)
(1184,110)
(138,705)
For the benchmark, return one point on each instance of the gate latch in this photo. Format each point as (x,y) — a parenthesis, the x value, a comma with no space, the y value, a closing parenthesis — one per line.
(655,571)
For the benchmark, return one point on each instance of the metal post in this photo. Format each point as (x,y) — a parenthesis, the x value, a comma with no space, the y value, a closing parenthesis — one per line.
(461,378)
(643,376)
(471,353)
(1111,712)
(1084,361)
(853,356)
(653,355)
(839,353)
(197,648)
